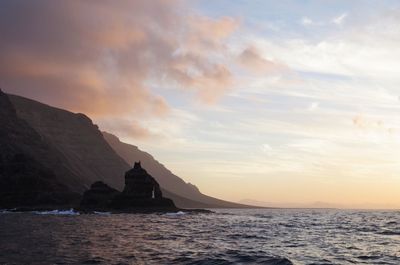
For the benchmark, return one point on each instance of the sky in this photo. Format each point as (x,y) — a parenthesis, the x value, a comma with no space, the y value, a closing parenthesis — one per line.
(285,102)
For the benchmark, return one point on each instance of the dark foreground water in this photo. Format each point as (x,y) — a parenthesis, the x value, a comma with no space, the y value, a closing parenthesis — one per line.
(225,237)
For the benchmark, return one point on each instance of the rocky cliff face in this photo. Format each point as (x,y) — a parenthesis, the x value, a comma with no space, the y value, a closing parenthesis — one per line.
(86,152)
(81,154)
(31,171)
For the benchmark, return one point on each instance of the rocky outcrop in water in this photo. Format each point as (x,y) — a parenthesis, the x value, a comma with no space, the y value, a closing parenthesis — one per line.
(166,179)
(184,194)
(98,197)
(139,184)
(142,193)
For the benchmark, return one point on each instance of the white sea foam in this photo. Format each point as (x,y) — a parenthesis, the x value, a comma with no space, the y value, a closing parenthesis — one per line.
(7,210)
(180,213)
(102,213)
(57,212)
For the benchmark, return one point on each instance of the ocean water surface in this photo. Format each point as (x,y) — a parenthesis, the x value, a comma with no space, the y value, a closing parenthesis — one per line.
(252,236)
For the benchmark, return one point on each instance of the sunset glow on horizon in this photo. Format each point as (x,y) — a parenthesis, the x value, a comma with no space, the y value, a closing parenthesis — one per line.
(291,103)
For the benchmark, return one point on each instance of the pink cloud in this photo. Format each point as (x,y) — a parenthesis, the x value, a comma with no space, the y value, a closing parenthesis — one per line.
(98,56)
(254,61)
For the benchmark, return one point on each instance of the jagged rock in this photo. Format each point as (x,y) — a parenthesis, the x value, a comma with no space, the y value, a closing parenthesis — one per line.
(139,184)
(142,193)
(167,180)
(183,194)
(99,196)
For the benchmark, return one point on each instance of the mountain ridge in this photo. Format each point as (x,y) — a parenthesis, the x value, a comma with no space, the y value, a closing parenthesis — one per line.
(91,155)
(77,138)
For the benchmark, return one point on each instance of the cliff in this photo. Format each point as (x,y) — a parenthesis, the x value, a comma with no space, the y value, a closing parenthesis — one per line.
(32,173)
(82,145)
(82,155)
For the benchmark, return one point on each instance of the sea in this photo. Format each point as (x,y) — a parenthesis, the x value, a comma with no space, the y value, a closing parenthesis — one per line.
(226,236)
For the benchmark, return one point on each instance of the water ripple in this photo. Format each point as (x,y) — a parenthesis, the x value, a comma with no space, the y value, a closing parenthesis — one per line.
(261,236)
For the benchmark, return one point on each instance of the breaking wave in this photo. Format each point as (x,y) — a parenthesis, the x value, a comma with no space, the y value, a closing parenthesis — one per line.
(180,213)
(102,213)
(57,212)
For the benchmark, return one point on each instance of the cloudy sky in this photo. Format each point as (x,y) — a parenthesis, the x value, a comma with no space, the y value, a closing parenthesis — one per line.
(276,101)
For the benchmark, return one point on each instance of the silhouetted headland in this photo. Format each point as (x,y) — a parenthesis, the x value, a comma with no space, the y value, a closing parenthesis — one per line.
(49,157)
(68,153)
(141,193)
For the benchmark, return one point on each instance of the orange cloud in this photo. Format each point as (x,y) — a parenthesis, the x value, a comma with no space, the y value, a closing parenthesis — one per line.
(98,56)
(128,128)
(207,35)
(369,124)
(211,81)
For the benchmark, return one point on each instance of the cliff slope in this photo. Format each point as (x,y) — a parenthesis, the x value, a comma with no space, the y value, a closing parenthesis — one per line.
(86,152)
(31,172)
(91,156)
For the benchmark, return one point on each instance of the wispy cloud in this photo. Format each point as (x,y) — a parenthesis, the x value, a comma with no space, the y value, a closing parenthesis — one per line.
(307,104)
(339,20)
(306,21)
(253,60)
(313,106)
(97,57)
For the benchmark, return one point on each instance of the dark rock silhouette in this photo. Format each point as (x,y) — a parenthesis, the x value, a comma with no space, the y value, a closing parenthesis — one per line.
(27,178)
(183,194)
(139,184)
(25,183)
(99,196)
(167,180)
(141,193)
(84,150)
(73,148)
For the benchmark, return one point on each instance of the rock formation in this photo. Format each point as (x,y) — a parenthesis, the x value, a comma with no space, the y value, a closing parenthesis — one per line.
(139,184)
(142,193)
(98,197)
(183,194)
(167,180)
